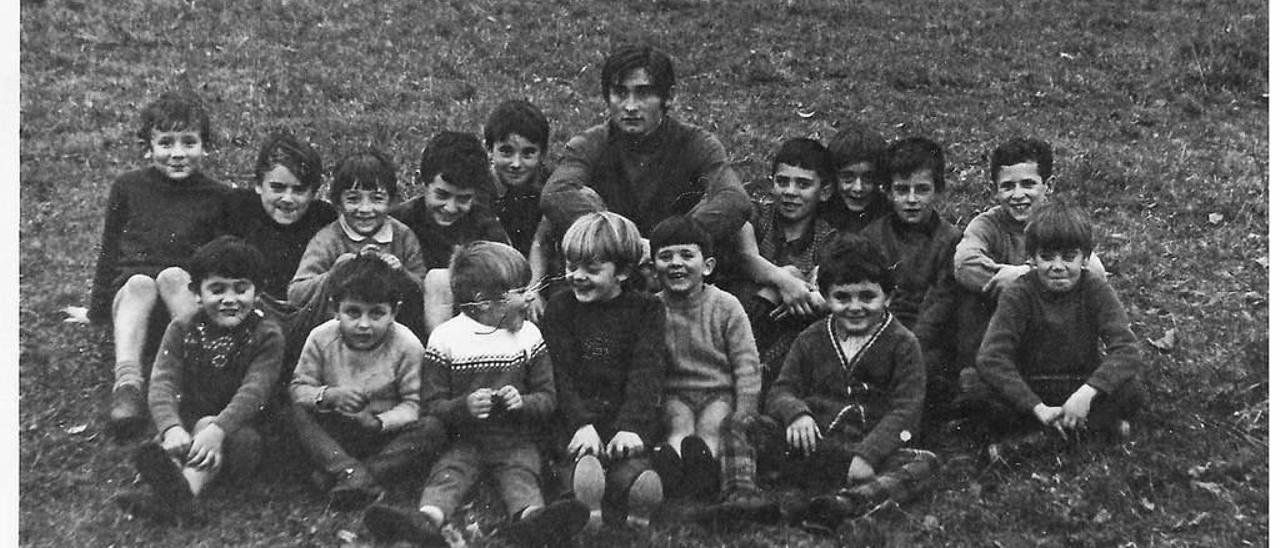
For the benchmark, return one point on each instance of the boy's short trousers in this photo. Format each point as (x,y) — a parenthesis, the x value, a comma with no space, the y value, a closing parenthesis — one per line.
(697,399)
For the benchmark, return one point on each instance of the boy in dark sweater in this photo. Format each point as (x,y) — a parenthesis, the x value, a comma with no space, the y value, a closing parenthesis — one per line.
(488,376)
(918,241)
(859,200)
(516,136)
(607,347)
(213,375)
(449,214)
(281,214)
(1040,357)
(850,395)
(156,218)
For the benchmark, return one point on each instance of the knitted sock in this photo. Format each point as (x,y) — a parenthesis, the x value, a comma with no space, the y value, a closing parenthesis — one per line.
(128,372)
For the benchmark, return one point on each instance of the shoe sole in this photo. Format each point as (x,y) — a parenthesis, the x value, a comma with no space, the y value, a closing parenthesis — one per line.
(643,498)
(389,524)
(588,487)
(163,475)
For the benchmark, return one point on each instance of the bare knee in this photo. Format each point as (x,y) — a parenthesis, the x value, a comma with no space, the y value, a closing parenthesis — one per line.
(173,279)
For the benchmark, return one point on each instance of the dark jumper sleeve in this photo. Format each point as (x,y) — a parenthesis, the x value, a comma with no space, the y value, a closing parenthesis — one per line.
(1120,360)
(564,360)
(643,395)
(101,297)
(997,357)
(259,379)
(906,402)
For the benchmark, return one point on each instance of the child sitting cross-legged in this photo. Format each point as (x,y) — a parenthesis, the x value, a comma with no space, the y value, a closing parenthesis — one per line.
(212,376)
(715,370)
(1040,362)
(488,376)
(849,397)
(606,342)
(156,218)
(356,389)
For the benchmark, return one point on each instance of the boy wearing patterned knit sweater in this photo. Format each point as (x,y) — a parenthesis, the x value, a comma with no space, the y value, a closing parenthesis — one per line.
(1040,358)
(211,379)
(488,376)
(714,371)
(356,389)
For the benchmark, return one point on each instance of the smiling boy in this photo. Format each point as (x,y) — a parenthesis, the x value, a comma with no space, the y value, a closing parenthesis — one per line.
(156,218)
(1041,356)
(856,154)
(642,163)
(212,377)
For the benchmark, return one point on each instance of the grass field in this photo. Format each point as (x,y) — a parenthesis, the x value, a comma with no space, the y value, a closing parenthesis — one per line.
(1157,112)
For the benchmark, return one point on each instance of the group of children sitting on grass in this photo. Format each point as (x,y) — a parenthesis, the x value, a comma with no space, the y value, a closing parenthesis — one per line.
(589,375)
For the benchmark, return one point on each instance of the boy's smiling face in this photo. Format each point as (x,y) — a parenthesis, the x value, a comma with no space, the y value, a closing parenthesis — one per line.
(913,196)
(681,268)
(226,301)
(857,308)
(177,154)
(1019,189)
(515,160)
(284,197)
(595,281)
(447,202)
(365,210)
(364,325)
(1059,271)
(505,311)
(797,192)
(856,187)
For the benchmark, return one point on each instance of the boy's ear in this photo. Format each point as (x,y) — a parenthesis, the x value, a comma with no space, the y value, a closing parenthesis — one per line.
(828,188)
(710,266)
(1049,184)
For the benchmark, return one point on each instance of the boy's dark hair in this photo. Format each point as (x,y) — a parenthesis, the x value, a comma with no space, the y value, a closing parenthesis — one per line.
(805,153)
(1017,151)
(854,259)
(855,144)
(628,58)
(283,149)
(517,117)
(369,169)
(1056,226)
(369,279)
(227,256)
(485,270)
(458,158)
(680,230)
(906,157)
(174,111)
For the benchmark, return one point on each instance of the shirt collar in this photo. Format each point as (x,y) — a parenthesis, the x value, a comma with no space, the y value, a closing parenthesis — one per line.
(382,236)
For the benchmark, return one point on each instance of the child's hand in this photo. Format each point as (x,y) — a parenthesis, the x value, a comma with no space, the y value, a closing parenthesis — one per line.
(1047,416)
(480,403)
(345,399)
(1076,409)
(795,299)
(859,470)
(176,442)
(368,421)
(511,397)
(586,441)
(624,444)
(391,260)
(803,434)
(206,448)
(1005,276)
(342,259)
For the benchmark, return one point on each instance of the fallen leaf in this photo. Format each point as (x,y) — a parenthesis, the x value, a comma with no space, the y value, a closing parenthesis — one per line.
(1215,218)
(347,536)
(77,429)
(1210,487)
(1263,262)
(1150,506)
(1167,342)
(1102,516)
(931,522)
(76,314)
(1254,298)
(805,113)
